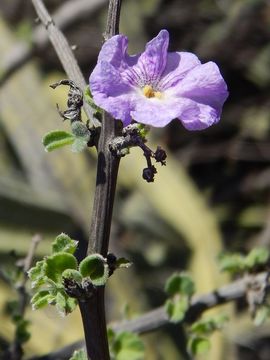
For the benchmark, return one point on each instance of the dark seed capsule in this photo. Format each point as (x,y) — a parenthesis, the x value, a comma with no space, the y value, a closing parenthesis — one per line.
(149,173)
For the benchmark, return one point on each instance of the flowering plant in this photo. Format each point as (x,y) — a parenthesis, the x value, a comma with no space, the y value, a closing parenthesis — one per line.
(157,86)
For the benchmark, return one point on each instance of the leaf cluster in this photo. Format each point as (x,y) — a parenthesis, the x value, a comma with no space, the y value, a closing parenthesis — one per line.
(180,287)
(52,276)
(46,276)
(238,263)
(199,332)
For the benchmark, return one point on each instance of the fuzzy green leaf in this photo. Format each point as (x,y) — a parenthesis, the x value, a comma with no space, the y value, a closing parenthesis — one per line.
(123,263)
(57,263)
(37,274)
(80,130)
(233,263)
(81,134)
(79,355)
(257,256)
(79,145)
(177,308)
(63,243)
(41,299)
(95,267)
(207,326)
(198,345)
(180,283)
(71,304)
(60,302)
(129,346)
(56,139)
(72,275)
(64,304)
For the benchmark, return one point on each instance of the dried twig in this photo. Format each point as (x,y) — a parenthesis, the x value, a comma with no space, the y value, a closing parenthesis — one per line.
(64,53)
(67,14)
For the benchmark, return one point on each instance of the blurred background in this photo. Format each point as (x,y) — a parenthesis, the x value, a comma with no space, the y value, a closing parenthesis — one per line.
(212,196)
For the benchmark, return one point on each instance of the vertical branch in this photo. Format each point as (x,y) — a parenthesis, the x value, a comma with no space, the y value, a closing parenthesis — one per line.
(113,19)
(93,311)
(107,168)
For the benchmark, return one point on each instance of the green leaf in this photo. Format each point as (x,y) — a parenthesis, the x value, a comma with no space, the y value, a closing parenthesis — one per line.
(37,274)
(89,99)
(80,130)
(81,134)
(60,302)
(257,256)
(233,263)
(198,345)
(12,307)
(56,139)
(71,304)
(64,304)
(129,346)
(123,263)
(63,243)
(79,355)
(207,326)
(143,130)
(41,299)
(262,314)
(180,283)
(95,267)
(79,145)
(110,334)
(73,275)
(57,263)
(177,308)
(203,327)
(22,334)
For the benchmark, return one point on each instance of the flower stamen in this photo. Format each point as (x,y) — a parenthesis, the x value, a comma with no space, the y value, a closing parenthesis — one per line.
(149,92)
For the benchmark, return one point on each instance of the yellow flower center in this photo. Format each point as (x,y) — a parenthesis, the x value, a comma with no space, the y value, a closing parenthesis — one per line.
(149,92)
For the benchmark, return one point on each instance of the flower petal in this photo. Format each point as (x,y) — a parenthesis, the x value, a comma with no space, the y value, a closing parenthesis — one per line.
(178,64)
(110,92)
(158,112)
(205,85)
(197,116)
(114,50)
(151,63)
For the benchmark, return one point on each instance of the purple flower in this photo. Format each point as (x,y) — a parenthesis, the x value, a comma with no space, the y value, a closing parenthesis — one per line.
(157,86)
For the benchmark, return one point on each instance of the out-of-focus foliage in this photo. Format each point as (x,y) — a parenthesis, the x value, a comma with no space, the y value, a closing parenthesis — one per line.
(125,345)
(212,196)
